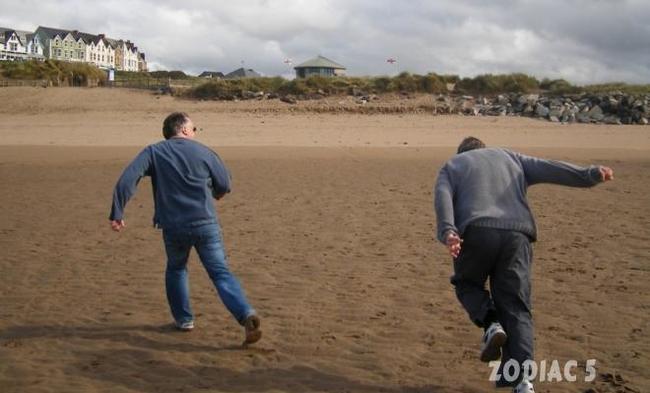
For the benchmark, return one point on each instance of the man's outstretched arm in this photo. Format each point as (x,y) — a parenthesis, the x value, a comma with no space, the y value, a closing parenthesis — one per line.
(126,186)
(539,170)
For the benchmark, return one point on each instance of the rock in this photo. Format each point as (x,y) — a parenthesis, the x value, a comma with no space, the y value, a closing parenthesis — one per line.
(288,99)
(556,112)
(471,111)
(248,95)
(613,103)
(596,113)
(554,119)
(612,120)
(583,117)
(541,111)
(643,121)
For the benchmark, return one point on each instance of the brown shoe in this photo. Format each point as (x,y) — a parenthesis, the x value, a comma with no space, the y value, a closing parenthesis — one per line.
(252,327)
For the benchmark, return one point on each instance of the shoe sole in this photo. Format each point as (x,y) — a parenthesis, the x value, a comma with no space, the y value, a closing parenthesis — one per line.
(184,329)
(253,332)
(492,350)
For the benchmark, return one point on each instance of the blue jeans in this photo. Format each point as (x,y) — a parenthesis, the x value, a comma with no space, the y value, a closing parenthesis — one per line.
(207,241)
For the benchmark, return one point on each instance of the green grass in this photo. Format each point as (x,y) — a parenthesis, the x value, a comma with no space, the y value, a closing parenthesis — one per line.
(488,84)
(58,72)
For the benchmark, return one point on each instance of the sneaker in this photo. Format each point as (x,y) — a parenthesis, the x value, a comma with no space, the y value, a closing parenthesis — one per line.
(493,340)
(252,328)
(524,387)
(185,326)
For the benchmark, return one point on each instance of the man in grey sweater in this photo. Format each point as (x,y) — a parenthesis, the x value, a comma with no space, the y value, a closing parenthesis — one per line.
(485,222)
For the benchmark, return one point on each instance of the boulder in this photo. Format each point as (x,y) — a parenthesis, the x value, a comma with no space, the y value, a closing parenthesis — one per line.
(583,117)
(541,111)
(612,120)
(596,113)
(288,99)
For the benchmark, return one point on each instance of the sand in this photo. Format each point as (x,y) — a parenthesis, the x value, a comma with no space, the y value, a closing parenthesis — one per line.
(329,228)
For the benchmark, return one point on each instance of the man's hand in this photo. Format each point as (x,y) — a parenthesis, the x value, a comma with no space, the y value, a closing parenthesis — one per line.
(453,242)
(117,225)
(606,173)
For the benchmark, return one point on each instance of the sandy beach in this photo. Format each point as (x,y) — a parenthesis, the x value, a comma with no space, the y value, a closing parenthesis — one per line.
(329,227)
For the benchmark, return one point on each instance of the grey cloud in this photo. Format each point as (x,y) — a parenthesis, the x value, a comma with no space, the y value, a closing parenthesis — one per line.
(585,41)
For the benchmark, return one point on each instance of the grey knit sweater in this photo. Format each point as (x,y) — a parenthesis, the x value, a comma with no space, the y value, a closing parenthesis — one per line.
(487,187)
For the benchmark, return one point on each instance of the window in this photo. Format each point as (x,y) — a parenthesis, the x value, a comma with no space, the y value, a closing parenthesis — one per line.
(58,52)
(13,47)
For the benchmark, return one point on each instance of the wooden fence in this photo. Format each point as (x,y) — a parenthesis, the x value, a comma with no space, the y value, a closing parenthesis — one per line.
(28,83)
(156,84)
(139,83)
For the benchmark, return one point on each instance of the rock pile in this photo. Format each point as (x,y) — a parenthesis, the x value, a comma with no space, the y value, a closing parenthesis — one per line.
(617,108)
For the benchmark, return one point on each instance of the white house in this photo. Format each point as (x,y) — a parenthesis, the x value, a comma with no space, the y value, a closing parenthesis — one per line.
(100,52)
(13,44)
(130,57)
(35,49)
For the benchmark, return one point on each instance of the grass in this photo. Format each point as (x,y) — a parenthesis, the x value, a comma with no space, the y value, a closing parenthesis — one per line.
(57,72)
(60,73)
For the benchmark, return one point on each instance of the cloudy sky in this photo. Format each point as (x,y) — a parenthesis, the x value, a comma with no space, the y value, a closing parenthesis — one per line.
(584,41)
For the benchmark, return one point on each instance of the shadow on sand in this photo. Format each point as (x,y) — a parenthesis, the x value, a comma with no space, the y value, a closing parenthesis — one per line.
(145,366)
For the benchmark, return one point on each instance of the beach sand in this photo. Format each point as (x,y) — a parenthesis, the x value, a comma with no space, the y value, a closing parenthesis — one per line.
(330,229)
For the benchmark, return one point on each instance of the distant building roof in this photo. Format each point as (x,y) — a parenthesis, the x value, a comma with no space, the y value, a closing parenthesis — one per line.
(51,32)
(242,73)
(5,33)
(211,74)
(320,62)
(86,37)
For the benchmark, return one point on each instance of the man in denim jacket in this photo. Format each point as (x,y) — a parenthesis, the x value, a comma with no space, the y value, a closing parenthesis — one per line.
(186,176)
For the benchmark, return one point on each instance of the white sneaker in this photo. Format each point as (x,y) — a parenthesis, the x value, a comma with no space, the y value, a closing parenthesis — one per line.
(524,387)
(185,326)
(493,340)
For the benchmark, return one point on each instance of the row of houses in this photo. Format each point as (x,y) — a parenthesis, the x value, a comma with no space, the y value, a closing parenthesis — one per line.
(72,46)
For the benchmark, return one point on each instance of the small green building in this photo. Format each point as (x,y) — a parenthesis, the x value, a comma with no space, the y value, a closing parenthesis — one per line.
(319,65)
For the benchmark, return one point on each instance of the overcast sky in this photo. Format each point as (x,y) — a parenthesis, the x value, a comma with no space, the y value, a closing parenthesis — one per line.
(584,41)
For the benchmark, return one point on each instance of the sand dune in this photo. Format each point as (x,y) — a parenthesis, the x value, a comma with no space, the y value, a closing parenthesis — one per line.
(332,240)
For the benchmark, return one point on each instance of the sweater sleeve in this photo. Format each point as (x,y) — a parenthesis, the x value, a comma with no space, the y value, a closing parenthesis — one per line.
(219,176)
(126,185)
(444,204)
(537,170)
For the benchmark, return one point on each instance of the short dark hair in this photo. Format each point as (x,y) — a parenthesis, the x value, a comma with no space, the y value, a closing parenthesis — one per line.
(174,123)
(470,143)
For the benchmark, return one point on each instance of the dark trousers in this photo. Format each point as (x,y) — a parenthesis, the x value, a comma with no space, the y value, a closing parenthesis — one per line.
(505,257)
